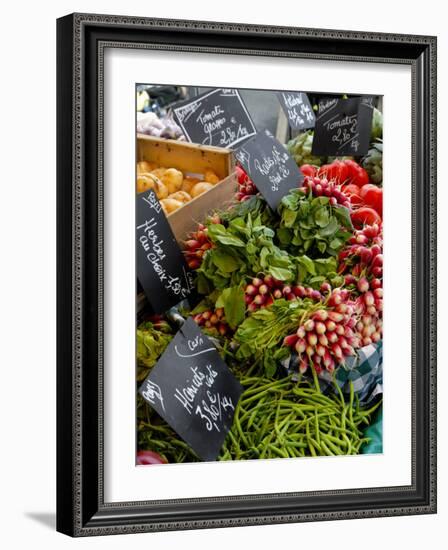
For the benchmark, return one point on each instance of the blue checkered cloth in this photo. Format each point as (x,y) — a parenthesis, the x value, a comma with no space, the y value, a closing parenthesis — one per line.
(365,370)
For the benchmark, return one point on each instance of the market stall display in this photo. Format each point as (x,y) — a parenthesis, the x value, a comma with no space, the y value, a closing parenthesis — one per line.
(290,295)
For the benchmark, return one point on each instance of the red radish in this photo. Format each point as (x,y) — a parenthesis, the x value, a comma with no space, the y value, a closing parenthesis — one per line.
(321,315)
(259,299)
(192,243)
(320,327)
(303,366)
(366,320)
(300,345)
(277,293)
(256,281)
(337,351)
(251,290)
(331,325)
(376,283)
(301,332)
(147,458)
(363,285)
(335,316)
(325,287)
(315,295)
(194,264)
(291,340)
(308,325)
(321,350)
(263,289)
(252,307)
(323,340)
(299,291)
(312,339)
(343,342)
(375,249)
(378,260)
(349,279)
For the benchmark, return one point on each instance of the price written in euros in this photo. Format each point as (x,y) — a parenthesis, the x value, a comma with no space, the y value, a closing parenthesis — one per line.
(211,411)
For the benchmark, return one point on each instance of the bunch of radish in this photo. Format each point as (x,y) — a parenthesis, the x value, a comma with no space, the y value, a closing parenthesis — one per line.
(213,320)
(327,336)
(198,244)
(246,187)
(261,292)
(323,187)
(369,311)
(363,254)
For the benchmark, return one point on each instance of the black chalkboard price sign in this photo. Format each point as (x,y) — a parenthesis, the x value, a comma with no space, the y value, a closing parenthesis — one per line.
(298,109)
(217,118)
(343,127)
(194,391)
(161,267)
(270,167)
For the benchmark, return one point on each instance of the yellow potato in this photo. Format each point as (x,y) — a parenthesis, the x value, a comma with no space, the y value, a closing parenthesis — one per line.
(170,205)
(199,188)
(148,181)
(158,172)
(181,196)
(173,179)
(211,177)
(188,183)
(145,166)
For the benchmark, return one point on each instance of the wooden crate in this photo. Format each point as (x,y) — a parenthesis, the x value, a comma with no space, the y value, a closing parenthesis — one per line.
(191,158)
(185,219)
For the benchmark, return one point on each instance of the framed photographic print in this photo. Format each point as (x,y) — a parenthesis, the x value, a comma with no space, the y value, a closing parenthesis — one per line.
(246,275)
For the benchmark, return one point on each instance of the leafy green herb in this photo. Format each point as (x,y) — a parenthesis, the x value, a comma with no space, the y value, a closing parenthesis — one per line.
(232,300)
(151,343)
(311,226)
(241,250)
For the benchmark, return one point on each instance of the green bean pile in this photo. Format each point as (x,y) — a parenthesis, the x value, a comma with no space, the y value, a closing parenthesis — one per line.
(273,419)
(287,419)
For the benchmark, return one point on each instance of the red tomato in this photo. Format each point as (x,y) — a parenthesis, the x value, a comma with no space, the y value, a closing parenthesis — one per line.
(308,170)
(240,174)
(337,171)
(351,189)
(356,173)
(354,193)
(365,216)
(373,197)
(145,458)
